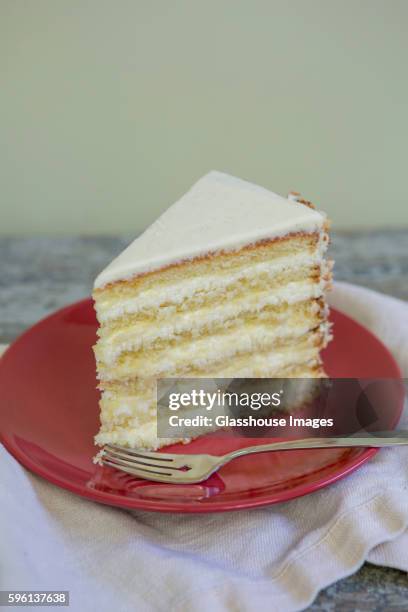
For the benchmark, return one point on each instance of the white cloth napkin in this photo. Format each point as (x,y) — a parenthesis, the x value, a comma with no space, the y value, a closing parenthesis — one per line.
(276,557)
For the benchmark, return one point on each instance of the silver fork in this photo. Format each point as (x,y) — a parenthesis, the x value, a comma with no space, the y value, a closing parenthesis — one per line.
(188,469)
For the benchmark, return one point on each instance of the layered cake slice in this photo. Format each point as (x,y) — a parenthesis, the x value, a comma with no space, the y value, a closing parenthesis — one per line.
(228,282)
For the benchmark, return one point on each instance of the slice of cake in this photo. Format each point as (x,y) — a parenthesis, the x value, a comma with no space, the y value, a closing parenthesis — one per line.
(228,282)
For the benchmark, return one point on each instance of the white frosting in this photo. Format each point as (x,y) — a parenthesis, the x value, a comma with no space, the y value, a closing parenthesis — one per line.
(219,212)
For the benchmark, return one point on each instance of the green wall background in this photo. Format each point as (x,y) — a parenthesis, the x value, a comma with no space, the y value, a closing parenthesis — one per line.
(109,110)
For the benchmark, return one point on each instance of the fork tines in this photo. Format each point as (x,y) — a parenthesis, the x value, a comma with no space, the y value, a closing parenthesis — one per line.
(145,464)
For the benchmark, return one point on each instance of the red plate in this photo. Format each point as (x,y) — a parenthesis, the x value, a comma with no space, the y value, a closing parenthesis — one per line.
(50,415)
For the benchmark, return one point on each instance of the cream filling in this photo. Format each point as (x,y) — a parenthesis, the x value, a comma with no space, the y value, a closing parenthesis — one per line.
(268,364)
(202,353)
(209,286)
(133,409)
(143,334)
(125,423)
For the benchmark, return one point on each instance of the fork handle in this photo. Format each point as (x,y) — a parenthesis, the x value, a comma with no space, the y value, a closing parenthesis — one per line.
(362,441)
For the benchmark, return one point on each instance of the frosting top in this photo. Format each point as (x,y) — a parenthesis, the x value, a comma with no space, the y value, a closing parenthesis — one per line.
(219,212)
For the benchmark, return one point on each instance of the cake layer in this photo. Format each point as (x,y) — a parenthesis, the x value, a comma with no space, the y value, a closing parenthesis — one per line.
(166,313)
(134,332)
(124,403)
(129,420)
(208,350)
(269,363)
(200,280)
(289,351)
(273,308)
(195,293)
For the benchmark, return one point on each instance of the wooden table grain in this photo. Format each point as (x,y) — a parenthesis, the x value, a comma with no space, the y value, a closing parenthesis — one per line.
(41,274)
